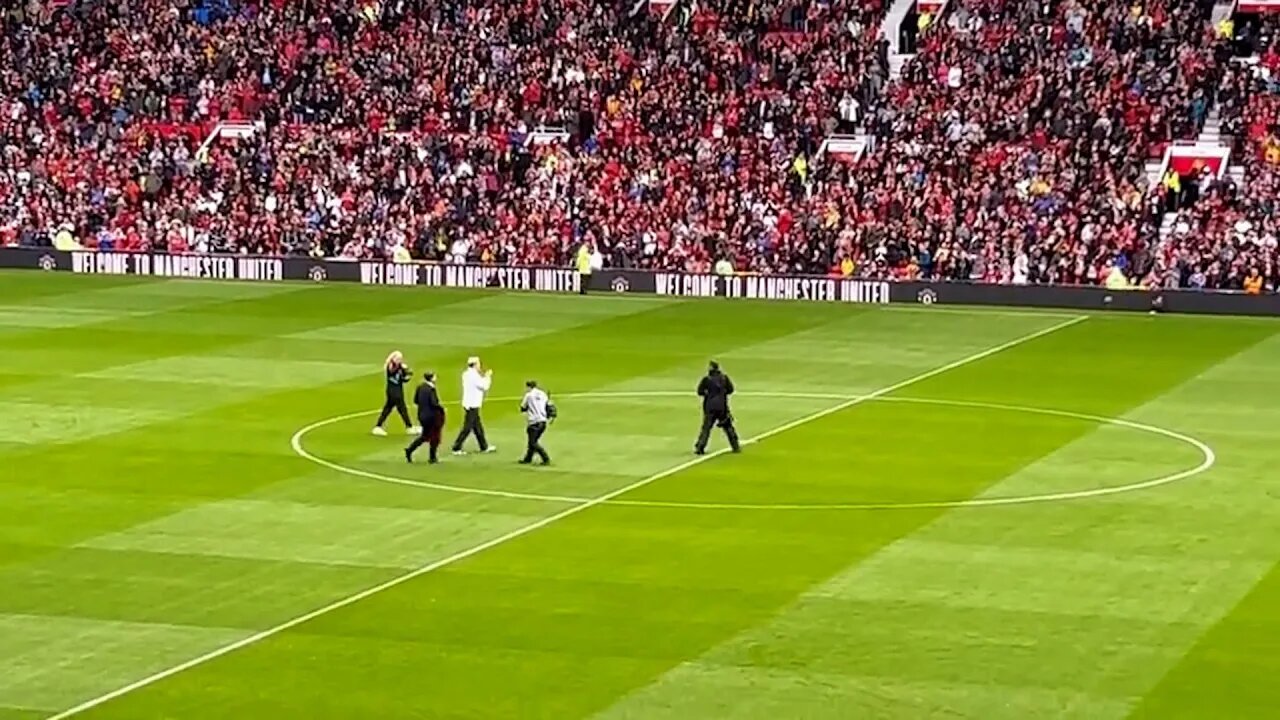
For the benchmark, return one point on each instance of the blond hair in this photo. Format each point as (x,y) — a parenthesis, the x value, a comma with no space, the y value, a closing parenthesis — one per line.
(396,357)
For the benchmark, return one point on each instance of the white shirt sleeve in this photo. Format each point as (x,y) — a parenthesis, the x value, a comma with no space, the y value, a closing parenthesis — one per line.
(474,387)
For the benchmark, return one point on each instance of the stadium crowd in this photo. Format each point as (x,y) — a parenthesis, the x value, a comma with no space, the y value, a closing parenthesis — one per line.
(1012,149)
(1232,232)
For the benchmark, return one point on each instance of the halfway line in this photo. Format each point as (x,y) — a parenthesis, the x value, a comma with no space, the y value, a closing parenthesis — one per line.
(536,525)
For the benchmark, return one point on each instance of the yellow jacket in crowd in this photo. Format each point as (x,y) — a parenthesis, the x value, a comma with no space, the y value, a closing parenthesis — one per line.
(584,260)
(800,166)
(1116,280)
(1272,152)
(1253,283)
(65,240)
(401,255)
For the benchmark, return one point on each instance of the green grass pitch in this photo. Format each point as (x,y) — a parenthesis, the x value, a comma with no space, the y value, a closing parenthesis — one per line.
(1072,516)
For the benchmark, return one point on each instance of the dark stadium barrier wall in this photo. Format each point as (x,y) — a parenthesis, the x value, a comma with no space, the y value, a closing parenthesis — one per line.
(811,289)
(1089,298)
(271,269)
(762,287)
(931,293)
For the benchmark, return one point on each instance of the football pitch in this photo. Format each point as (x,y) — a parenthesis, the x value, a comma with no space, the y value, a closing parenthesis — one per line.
(941,512)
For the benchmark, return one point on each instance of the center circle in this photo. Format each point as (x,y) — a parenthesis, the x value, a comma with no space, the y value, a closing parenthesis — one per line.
(1208,458)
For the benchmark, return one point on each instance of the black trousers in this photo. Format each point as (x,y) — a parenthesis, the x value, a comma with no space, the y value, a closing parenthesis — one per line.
(394,402)
(534,433)
(471,423)
(430,437)
(713,418)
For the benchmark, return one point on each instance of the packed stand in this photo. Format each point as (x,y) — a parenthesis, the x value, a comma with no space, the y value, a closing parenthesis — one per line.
(1228,239)
(1012,149)
(403,125)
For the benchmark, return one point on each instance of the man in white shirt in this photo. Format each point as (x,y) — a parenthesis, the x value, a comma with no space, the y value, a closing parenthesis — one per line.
(538,411)
(475,384)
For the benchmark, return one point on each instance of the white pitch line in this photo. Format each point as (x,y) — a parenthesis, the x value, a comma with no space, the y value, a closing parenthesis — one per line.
(539,524)
(1208,459)
(977,311)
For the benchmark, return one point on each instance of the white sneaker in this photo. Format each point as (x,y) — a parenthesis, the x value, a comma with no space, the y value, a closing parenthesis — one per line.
(490,449)
(414,430)
(377,430)
(459,452)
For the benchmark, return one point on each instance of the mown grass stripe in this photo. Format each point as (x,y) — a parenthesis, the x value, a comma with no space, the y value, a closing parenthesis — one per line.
(324,616)
(1093,598)
(534,632)
(1239,658)
(233,432)
(1026,376)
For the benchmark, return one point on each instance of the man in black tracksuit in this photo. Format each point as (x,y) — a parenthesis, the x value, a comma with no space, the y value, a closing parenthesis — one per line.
(398,374)
(430,417)
(715,390)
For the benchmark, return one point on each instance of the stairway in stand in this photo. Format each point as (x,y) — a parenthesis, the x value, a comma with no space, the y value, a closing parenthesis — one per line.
(1210,134)
(892,23)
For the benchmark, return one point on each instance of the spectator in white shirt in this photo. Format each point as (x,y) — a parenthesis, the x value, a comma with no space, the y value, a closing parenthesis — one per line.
(459,251)
(848,109)
(475,384)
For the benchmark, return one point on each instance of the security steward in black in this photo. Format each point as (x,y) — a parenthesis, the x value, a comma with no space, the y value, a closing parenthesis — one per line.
(430,417)
(715,389)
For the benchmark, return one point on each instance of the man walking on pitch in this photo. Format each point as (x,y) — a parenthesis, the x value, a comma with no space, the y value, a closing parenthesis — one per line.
(398,374)
(475,385)
(430,417)
(715,390)
(538,411)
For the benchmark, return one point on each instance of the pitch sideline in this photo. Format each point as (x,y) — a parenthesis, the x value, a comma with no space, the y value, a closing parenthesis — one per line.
(539,524)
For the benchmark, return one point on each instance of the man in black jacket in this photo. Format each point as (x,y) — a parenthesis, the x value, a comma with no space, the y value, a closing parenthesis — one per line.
(430,417)
(715,390)
(398,373)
